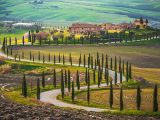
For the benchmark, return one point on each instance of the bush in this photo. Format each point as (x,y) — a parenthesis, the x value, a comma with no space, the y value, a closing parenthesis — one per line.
(130,84)
(4,69)
(2,60)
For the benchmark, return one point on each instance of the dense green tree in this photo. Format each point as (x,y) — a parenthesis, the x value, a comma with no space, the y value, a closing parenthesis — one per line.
(121,99)
(54,78)
(94,76)
(84,60)
(138,99)
(111,66)
(72,92)
(62,84)
(155,99)
(43,79)
(65,78)
(24,87)
(77,81)
(69,80)
(88,88)
(80,60)
(111,95)
(127,73)
(38,89)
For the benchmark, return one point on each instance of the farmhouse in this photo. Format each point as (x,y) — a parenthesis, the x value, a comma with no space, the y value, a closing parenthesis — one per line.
(84,28)
(141,23)
(120,27)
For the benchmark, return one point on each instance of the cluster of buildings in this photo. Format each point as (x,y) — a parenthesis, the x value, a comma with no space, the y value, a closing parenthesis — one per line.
(84,28)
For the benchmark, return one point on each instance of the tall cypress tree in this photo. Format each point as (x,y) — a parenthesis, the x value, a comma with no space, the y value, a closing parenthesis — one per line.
(54,59)
(49,57)
(111,95)
(43,59)
(111,64)
(88,88)
(54,78)
(59,58)
(123,67)
(102,61)
(94,76)
(99,78)
(86,76)
(130,71)
(120,62)
(4,45)
(138,99)
(63,60)
(43,79)
(107,76)
(77,81)
(121,76)
(155,99)
(80,60)
(115,64)
(30,55)
(72,92)
(106,61)
(127,73)
(115,78)
(38,89)
(66,81)
(84,60)
(121,99)
(24,87)
(39,55)
(69,81)
(62,84)
(23,40)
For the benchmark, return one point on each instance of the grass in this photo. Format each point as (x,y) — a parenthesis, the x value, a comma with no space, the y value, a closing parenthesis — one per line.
(100,98)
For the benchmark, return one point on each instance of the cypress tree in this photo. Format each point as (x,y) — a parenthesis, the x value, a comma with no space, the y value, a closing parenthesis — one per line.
(84,60)
(54,59)
(130,71)
(155,99)
(127,73)
(77,81)
(49,57)
(92,62)
(121,99)
(121,76)
(69,81)
(71,61)
(120,64)
(10,41)
(99,79)
(72,92)
(24,87)
(115,78)
(138,99)
(80,60)
(39,55)
(43,79)
(102,61)
(111,95)
(106,61)
(63,60)
(23,40)
(86,76)
(66,78)
(54,78)
(62,84)
(38,89)
(95,64)
(94,76)
(123,67)
(88,88)
(111,64)
(115,63)
(7,52)
(59,58)
(15,41)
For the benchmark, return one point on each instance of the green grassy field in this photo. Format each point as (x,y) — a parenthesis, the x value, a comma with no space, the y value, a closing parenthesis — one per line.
(100,98)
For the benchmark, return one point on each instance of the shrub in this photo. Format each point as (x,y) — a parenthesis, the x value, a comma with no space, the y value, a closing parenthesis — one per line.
(4,69)
(2,60)
(130,84)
